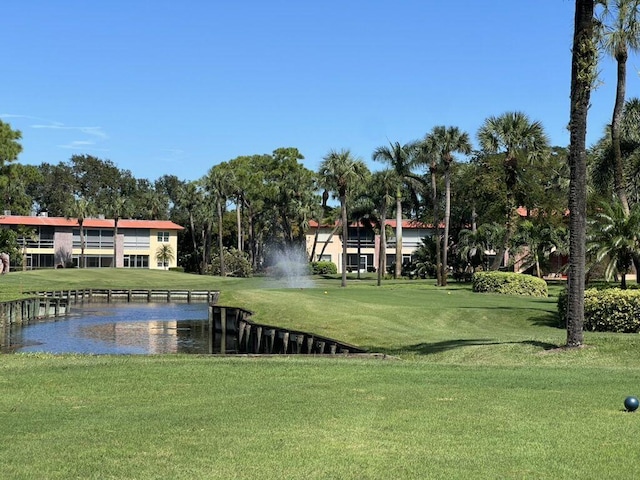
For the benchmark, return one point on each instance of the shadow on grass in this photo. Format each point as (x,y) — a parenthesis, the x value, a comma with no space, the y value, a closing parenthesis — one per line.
(439,347)
(550,320)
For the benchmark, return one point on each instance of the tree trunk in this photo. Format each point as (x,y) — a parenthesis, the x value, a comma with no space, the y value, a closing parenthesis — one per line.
(83,260)
(398,271)
(193,239)
(509,226)
(447,218)
(343,215)
(382,254)
(312,255)
(619,180)
(115,241)
(359,249)
(239,222)
(220,234)
(436,226)
(583,66)
(474,218)
(333,232)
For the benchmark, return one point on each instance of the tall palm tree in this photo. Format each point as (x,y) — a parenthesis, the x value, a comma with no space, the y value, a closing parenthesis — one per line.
(444,142)
(615,237)
(81,209)
(517,138)
(620,33)
(583,72)
(603,166)
(189,196)
(401,158)
(218,185)
(383,183)
(428,155)
(341,170)
(119,208)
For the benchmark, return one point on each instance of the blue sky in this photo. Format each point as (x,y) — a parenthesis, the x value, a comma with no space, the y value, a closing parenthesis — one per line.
(166,87)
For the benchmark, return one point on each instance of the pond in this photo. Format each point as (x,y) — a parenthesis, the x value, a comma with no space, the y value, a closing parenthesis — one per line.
(120,328)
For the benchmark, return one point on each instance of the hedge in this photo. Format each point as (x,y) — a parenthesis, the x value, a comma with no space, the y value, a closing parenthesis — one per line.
(609,310)
(509,284)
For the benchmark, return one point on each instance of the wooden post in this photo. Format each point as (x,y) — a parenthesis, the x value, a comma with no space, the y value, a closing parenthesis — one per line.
(223,330)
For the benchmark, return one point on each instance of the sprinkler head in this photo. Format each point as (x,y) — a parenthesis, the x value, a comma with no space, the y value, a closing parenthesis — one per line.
(631,404)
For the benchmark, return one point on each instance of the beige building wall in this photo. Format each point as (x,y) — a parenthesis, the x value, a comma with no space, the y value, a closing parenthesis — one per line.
(155,244)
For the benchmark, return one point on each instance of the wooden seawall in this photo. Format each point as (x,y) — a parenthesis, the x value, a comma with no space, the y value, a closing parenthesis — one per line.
(56,303)
(232,332)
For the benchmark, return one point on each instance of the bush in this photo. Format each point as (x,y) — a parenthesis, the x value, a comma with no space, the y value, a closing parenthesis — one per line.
(236,264)
(509,284)
(324,268)
(609,310)
(176,269)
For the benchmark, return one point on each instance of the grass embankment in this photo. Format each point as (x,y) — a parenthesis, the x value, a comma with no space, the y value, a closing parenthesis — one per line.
(477,392)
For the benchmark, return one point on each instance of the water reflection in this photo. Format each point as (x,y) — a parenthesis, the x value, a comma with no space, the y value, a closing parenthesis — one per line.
(117,329)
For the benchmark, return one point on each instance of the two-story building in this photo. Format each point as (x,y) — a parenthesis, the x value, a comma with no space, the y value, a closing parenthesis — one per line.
(49,242)
(363,244)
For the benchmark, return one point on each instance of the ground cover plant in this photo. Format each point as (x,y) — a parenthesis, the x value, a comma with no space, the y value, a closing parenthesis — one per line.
(473,387)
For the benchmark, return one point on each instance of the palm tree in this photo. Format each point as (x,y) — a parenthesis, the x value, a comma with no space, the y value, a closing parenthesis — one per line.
(189,196)
(517,138)
(602,168)
(218,184)
(383,183)
(443,143)
(401,158)
(583,72)
(81,209)
(620,33)
(341,171)
(164,254)
(119,208)
(540,240)
(428,155)
(615,237)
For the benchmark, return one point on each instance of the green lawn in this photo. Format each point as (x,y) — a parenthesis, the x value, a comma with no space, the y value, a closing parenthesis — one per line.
(474,388)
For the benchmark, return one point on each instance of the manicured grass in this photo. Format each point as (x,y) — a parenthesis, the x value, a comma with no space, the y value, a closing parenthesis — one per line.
(475,389)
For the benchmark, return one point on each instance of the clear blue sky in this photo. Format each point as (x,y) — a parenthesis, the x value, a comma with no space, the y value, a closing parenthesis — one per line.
(167,87)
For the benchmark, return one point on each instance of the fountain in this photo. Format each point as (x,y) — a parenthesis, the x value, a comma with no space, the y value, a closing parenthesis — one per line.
(292,267)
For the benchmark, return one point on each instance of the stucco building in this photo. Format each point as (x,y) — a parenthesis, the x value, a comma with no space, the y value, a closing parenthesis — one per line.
(49,242)
(326,243)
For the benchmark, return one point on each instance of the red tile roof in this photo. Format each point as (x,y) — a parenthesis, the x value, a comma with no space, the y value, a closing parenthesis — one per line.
(36,221)
(390,222)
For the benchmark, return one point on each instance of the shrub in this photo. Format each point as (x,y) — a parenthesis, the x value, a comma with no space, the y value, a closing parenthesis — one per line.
(176,269)
(236,264)
(509,284)
(324,268)
(609,310)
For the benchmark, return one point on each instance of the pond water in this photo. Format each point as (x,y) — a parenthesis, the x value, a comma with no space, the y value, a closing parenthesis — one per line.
(120,328)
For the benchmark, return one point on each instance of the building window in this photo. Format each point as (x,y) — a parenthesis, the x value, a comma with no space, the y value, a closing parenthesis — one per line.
(38,237)
(136,238)
(136,261)
(163,237)
(93,238)
(324,258)
(94,261)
